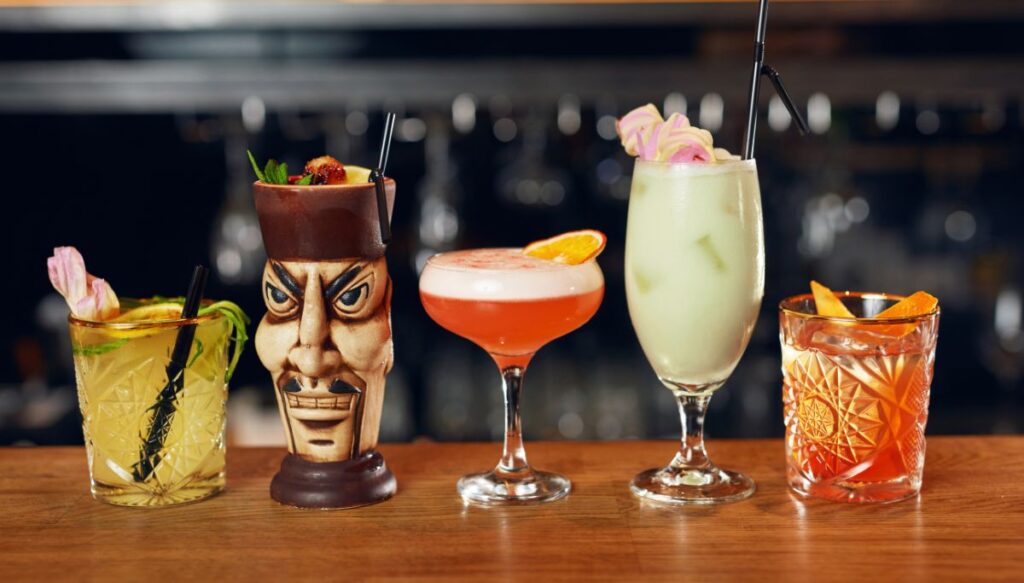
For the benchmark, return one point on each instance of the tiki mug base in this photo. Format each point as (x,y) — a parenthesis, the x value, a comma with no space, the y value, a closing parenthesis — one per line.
(333,485)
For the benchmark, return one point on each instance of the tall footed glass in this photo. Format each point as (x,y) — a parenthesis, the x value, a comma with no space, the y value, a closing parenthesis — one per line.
(694,284)
(510,305)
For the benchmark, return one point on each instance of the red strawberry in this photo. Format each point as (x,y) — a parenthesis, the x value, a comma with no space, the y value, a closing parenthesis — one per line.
(326,170)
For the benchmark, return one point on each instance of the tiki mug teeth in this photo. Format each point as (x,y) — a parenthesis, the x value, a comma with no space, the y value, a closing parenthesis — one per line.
(326,339)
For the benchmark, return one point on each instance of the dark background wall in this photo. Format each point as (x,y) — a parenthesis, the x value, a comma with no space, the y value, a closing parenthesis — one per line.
(124,135)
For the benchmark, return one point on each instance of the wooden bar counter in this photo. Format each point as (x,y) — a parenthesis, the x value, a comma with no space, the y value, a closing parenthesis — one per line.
(968,523)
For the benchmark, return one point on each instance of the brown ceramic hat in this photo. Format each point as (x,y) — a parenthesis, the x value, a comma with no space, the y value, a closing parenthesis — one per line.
(321,223)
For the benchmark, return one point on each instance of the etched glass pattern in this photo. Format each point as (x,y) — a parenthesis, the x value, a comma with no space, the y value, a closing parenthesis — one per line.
(856,403)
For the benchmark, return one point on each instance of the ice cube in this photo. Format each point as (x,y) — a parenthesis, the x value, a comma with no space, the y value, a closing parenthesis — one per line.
(708,247)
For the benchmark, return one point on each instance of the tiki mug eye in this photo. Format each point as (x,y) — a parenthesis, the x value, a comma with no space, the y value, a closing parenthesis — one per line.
(276,296)
(278,301)
(352,297)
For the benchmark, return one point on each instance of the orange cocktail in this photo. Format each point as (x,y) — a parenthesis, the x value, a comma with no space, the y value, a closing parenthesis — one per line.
(856,390)
(511,304)
(511,329)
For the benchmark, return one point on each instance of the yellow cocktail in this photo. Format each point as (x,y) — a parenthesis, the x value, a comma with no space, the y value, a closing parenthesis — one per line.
(121,369)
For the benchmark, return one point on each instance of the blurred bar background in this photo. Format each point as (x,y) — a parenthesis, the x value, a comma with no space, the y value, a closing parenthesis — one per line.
(125,127)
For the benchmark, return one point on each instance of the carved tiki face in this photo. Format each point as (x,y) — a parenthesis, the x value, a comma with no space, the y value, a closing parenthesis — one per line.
(326,340)
(326,336)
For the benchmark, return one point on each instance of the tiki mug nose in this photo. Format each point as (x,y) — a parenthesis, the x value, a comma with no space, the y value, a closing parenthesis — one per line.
(315,355)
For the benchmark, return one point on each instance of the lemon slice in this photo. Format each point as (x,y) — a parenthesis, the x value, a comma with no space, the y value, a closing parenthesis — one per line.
(161,312)
(151,313)
(356,175)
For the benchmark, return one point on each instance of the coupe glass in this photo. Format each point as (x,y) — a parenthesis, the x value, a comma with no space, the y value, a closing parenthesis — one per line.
(694,283)
(510,305)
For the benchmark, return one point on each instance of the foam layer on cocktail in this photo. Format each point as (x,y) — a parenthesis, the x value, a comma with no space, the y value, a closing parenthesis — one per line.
(506,275)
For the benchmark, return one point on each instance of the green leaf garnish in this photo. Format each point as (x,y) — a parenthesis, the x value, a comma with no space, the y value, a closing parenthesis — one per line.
(199,352)
(238,320)
(277,173)
(305,180)
(273,173)
(256,167)
(98,349)
(232,313)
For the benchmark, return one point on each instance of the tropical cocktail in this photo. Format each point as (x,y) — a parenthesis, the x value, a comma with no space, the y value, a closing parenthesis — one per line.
(326,336)
(154,432)
(857,373)
(694,283)
(511,302)
(694,266)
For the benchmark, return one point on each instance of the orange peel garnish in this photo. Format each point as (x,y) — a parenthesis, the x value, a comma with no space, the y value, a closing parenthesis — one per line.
(827,304)
(571,248)
(917,304)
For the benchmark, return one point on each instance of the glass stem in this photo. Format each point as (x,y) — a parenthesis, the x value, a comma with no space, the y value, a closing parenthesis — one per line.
(513,456)
(692,409)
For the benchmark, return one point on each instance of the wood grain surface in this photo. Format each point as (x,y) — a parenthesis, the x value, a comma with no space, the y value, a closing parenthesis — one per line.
(968,523)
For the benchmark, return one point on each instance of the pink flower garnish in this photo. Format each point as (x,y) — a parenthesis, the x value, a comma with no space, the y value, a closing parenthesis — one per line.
(645,135)
(89,297)
(636,127)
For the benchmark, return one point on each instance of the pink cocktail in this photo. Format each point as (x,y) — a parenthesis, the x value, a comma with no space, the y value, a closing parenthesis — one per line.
(510,304)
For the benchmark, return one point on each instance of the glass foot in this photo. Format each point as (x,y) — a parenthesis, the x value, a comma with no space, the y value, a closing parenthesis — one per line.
(494,489)
(680,486)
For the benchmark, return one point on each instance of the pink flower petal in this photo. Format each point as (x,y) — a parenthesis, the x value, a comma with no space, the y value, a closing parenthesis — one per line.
(89,297)
(67,273)
(100,304)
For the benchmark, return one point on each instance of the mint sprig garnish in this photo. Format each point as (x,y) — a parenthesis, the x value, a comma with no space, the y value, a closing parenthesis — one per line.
(230,311)
(275,172)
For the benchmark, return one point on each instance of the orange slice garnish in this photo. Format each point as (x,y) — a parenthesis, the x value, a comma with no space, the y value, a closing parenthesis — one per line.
(571,248)
(827,304)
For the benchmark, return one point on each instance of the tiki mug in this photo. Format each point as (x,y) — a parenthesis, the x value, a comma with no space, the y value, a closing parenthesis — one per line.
(326,339)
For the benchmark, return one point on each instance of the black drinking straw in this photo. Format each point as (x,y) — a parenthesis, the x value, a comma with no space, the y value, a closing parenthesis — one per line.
(167,401)
(377,177)
(758,69)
